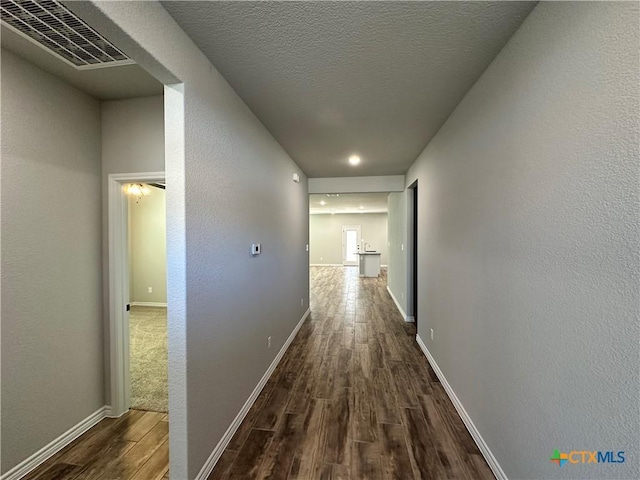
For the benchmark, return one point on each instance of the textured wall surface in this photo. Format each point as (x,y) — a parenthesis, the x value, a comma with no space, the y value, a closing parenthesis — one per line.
(132,142)
(236,187)
(529,240)
(52,344)
(397,240)
(325,235)
(148,247)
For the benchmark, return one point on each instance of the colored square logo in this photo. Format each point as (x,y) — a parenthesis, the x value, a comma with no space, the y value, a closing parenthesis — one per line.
(559,458)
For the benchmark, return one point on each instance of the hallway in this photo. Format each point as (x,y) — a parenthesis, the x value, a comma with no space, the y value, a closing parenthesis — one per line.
(353,398)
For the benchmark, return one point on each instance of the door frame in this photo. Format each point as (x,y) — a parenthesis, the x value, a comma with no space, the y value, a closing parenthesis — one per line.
(359,240)
(120,391)
(412,253)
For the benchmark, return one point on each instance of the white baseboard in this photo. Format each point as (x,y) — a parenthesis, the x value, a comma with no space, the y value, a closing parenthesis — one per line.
(327,265)
(54,447)
(482,445)
(404,315)
(148,304)
(207,468)
(109,413)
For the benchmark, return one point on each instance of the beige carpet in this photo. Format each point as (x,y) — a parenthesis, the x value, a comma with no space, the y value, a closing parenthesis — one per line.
(148,361)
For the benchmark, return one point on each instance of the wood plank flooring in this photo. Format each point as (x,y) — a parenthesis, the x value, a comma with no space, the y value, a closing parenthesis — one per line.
(353,398)
(134,446)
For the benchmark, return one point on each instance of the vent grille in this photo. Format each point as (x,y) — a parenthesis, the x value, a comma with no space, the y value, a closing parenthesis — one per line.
(53,26)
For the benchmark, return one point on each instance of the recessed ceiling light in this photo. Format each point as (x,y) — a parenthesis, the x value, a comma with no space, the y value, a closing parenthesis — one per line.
(361,207)
(354,159)
(323,202)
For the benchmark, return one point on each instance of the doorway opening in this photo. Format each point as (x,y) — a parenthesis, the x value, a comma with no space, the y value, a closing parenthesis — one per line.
(120,283)
(147,252)
(351,235)
(342,226)
(412,261)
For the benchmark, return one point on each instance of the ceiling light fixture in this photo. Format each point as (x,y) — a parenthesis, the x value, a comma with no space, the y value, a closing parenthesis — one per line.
(354,159)
(323,203)
(361,207)
(137,190)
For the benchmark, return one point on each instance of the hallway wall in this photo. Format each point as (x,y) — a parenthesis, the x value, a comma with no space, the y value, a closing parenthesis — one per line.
(229,184)
(528,241)
(52,338)
(397,237)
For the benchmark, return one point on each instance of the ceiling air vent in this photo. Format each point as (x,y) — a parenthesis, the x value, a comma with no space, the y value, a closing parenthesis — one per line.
(52,26)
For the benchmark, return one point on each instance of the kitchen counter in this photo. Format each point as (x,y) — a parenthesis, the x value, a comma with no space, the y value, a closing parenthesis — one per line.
(369,264)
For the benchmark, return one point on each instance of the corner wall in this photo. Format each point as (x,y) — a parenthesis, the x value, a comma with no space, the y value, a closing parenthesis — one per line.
(529,239)
(52,334)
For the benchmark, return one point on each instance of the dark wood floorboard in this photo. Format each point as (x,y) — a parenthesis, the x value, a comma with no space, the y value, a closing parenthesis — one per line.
(132,447)
(353,398)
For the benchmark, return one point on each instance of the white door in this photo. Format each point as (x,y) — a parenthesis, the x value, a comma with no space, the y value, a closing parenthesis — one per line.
(350,244)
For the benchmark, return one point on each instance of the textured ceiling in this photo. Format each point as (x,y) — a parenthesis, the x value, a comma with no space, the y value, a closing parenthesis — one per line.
(330,79)
(110,83)
(348,203)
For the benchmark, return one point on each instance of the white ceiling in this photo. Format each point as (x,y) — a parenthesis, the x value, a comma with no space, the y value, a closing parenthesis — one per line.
(348,203)
(110,83)
(330,79)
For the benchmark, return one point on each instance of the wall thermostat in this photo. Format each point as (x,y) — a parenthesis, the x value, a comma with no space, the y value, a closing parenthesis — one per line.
(255,249)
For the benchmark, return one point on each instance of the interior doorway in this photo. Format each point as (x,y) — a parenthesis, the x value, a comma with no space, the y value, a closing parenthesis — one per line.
(120,285)
(412,261)
(351,235)
(147,252)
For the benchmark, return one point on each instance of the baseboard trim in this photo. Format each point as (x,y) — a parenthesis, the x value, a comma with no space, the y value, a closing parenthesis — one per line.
(404,315)
(38,458)
(482,445)
(327,265)
(207,468)
(109,413)
(148,304)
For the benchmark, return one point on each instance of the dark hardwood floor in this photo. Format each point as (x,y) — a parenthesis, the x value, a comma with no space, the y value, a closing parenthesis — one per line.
(134,446)
(353,398)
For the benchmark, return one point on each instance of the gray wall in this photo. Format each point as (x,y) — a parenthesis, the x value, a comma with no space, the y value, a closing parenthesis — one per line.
(52,344)
(388,183)
(325,235)
(235,188)
(132,142)
(148,247)
(528,243)
(397,240)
